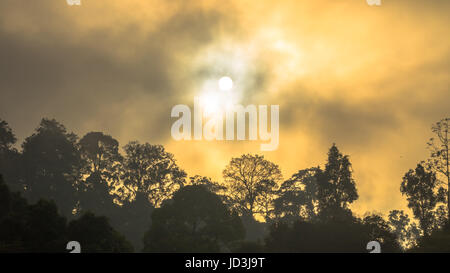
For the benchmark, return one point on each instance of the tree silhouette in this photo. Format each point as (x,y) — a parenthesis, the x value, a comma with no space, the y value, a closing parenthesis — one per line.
(437,242)
(5,199)
(95,234)
(12,219)
(7,137)
(298,196)
(143,195)
(195,220)
(439,161)
(101,169)
(40,228)
(423,194)
(380,231)
(9,156)
(7,140)
(29,228)
(150,171)
(336,187)
(405,230)
(50,162)
(340,236)
(45,229)
(251,183)
(149,175)
(315,194)
(132,219)
(212,186)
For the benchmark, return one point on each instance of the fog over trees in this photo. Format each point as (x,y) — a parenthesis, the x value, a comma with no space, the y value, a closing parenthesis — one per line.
(60,187)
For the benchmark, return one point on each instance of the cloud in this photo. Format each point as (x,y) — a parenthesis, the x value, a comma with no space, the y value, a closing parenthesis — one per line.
(113,80)
(371,79)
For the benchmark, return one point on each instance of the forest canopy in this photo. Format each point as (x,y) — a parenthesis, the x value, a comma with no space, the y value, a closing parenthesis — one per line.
(59,187)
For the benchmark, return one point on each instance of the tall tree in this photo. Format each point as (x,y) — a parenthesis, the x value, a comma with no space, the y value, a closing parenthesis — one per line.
(45,228)
(51,163)
(336,186)
(439,161)
(149,176)
(251,183)
(195,220)
(7,137)
(9,156)
(101,166)
(150,172)
(423,194)
(298,196)
(406,231)
(379,230)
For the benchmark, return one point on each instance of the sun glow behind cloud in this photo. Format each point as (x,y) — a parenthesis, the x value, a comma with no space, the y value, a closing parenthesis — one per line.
(370,79)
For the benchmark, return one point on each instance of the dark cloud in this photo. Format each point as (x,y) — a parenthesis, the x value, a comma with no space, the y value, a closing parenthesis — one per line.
(86,83)
(338,119)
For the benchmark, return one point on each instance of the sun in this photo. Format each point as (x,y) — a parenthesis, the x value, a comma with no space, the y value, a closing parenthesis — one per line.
(225,83)
(217,96)
(210,103)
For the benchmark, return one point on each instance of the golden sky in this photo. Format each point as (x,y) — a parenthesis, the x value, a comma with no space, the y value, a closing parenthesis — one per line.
(371,79)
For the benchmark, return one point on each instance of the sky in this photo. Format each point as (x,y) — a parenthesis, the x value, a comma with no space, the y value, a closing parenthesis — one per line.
(372,79)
